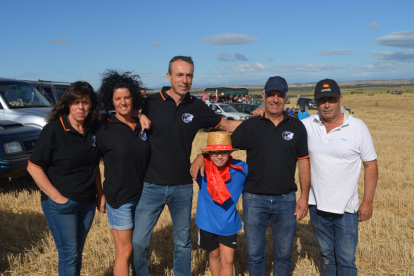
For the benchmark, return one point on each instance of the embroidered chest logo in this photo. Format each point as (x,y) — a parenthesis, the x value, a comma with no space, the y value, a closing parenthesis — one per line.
(187,117)
(287,135)
(93,139)
(143,135)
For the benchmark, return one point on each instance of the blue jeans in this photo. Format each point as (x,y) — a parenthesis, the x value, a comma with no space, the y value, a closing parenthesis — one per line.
(69,223)
(337,236)
(258,210)
(153,199)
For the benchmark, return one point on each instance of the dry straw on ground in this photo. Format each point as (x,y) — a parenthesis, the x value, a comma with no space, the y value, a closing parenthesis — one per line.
(386,242)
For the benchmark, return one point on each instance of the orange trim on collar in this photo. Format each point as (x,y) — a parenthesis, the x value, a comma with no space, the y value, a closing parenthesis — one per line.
(162,95)
(109,119)
(34,165)
(219,123)
(63,124)
(304,157)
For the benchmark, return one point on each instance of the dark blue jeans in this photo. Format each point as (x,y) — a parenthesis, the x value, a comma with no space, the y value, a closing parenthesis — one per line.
(69,223)
(153,199)
(258,210)
(337,236)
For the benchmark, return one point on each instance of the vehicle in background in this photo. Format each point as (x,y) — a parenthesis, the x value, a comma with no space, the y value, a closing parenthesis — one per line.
(22,103)
(396,92)
(228,112)
(307,102)
(17,143)
(52,90)
(244,108)
(348,110)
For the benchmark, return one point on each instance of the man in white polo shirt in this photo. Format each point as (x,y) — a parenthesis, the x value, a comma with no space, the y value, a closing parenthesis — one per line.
(337,144)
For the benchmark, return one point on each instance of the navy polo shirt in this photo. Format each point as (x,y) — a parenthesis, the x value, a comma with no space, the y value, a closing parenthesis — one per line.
(69,159)
(272,153)
(126,155)
(173,129)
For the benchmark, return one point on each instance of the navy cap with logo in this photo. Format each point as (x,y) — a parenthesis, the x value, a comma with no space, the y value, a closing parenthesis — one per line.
(327,88)
(276,83)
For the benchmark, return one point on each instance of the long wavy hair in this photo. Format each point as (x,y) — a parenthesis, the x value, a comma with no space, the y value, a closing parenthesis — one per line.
(112,80)
(75,91)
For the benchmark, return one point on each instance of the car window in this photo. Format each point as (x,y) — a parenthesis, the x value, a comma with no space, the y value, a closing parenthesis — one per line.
(59,92)
(227,108)
(21,95)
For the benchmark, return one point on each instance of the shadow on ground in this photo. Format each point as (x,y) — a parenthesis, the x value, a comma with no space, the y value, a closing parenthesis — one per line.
(20,230)
(162,247)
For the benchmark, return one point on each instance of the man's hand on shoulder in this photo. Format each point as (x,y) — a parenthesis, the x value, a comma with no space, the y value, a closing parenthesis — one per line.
(144,121)
(197,166)
(258,111)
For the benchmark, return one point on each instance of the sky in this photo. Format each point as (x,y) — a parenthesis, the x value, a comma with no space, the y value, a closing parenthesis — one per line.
(231,42)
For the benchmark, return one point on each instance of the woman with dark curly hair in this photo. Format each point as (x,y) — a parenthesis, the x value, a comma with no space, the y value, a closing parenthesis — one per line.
(126,154)
(64,164)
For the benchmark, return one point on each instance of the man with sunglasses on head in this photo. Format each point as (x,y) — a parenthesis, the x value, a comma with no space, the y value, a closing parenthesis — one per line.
(337,143)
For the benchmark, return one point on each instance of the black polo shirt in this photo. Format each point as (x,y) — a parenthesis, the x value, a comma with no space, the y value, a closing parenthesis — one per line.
(173,129)
(69,159)
(126,155)
(272,153)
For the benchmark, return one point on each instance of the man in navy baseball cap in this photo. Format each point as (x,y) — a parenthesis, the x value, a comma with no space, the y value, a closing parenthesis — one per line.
(276,83)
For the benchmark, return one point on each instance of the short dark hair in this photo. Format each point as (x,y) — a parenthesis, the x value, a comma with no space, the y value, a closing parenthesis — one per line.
(75,91)
(183,58)
(112,80)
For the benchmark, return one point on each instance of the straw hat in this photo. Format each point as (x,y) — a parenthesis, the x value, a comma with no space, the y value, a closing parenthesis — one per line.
(218,141)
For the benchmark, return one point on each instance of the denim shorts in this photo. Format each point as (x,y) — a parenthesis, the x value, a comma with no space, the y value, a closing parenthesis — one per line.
(122,218)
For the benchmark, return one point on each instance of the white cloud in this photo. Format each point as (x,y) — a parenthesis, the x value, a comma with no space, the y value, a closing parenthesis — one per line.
(224,56)
(59,41)
(155,44)
(401,56)
(228,39)
(304,67)
(268,58)
(241,57)
(248,68)
(372,26)
(217,66)
(398,39)
(337,52)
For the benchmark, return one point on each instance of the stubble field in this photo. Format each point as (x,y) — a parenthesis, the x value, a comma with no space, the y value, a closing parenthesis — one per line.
(386,242)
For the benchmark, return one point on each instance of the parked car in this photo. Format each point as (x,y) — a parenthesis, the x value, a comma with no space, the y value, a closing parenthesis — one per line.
(244,108)
(52,90)
(396,92)
(22,103)
(307,102)
(18,142)
(228,112)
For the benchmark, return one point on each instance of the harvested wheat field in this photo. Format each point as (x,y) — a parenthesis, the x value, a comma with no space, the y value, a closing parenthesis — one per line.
(386,242)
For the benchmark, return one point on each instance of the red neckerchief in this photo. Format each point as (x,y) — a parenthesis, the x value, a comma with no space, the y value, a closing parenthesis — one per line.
(216,179)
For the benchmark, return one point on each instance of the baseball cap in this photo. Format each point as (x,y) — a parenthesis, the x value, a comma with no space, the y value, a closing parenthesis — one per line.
(327,88)
(276,83)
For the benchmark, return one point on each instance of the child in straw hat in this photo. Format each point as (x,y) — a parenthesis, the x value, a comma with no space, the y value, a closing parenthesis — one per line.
(220,189)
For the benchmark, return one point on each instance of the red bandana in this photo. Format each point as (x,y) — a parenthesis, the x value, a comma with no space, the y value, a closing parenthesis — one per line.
(216,179)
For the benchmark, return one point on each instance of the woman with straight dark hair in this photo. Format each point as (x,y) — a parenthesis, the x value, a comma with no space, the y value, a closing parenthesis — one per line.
(65,166)
(126,154)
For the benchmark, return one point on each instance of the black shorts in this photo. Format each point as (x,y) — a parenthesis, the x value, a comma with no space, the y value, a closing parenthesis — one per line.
(209,241)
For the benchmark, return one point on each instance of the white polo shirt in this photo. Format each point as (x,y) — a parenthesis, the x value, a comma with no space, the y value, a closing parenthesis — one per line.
(335,160)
